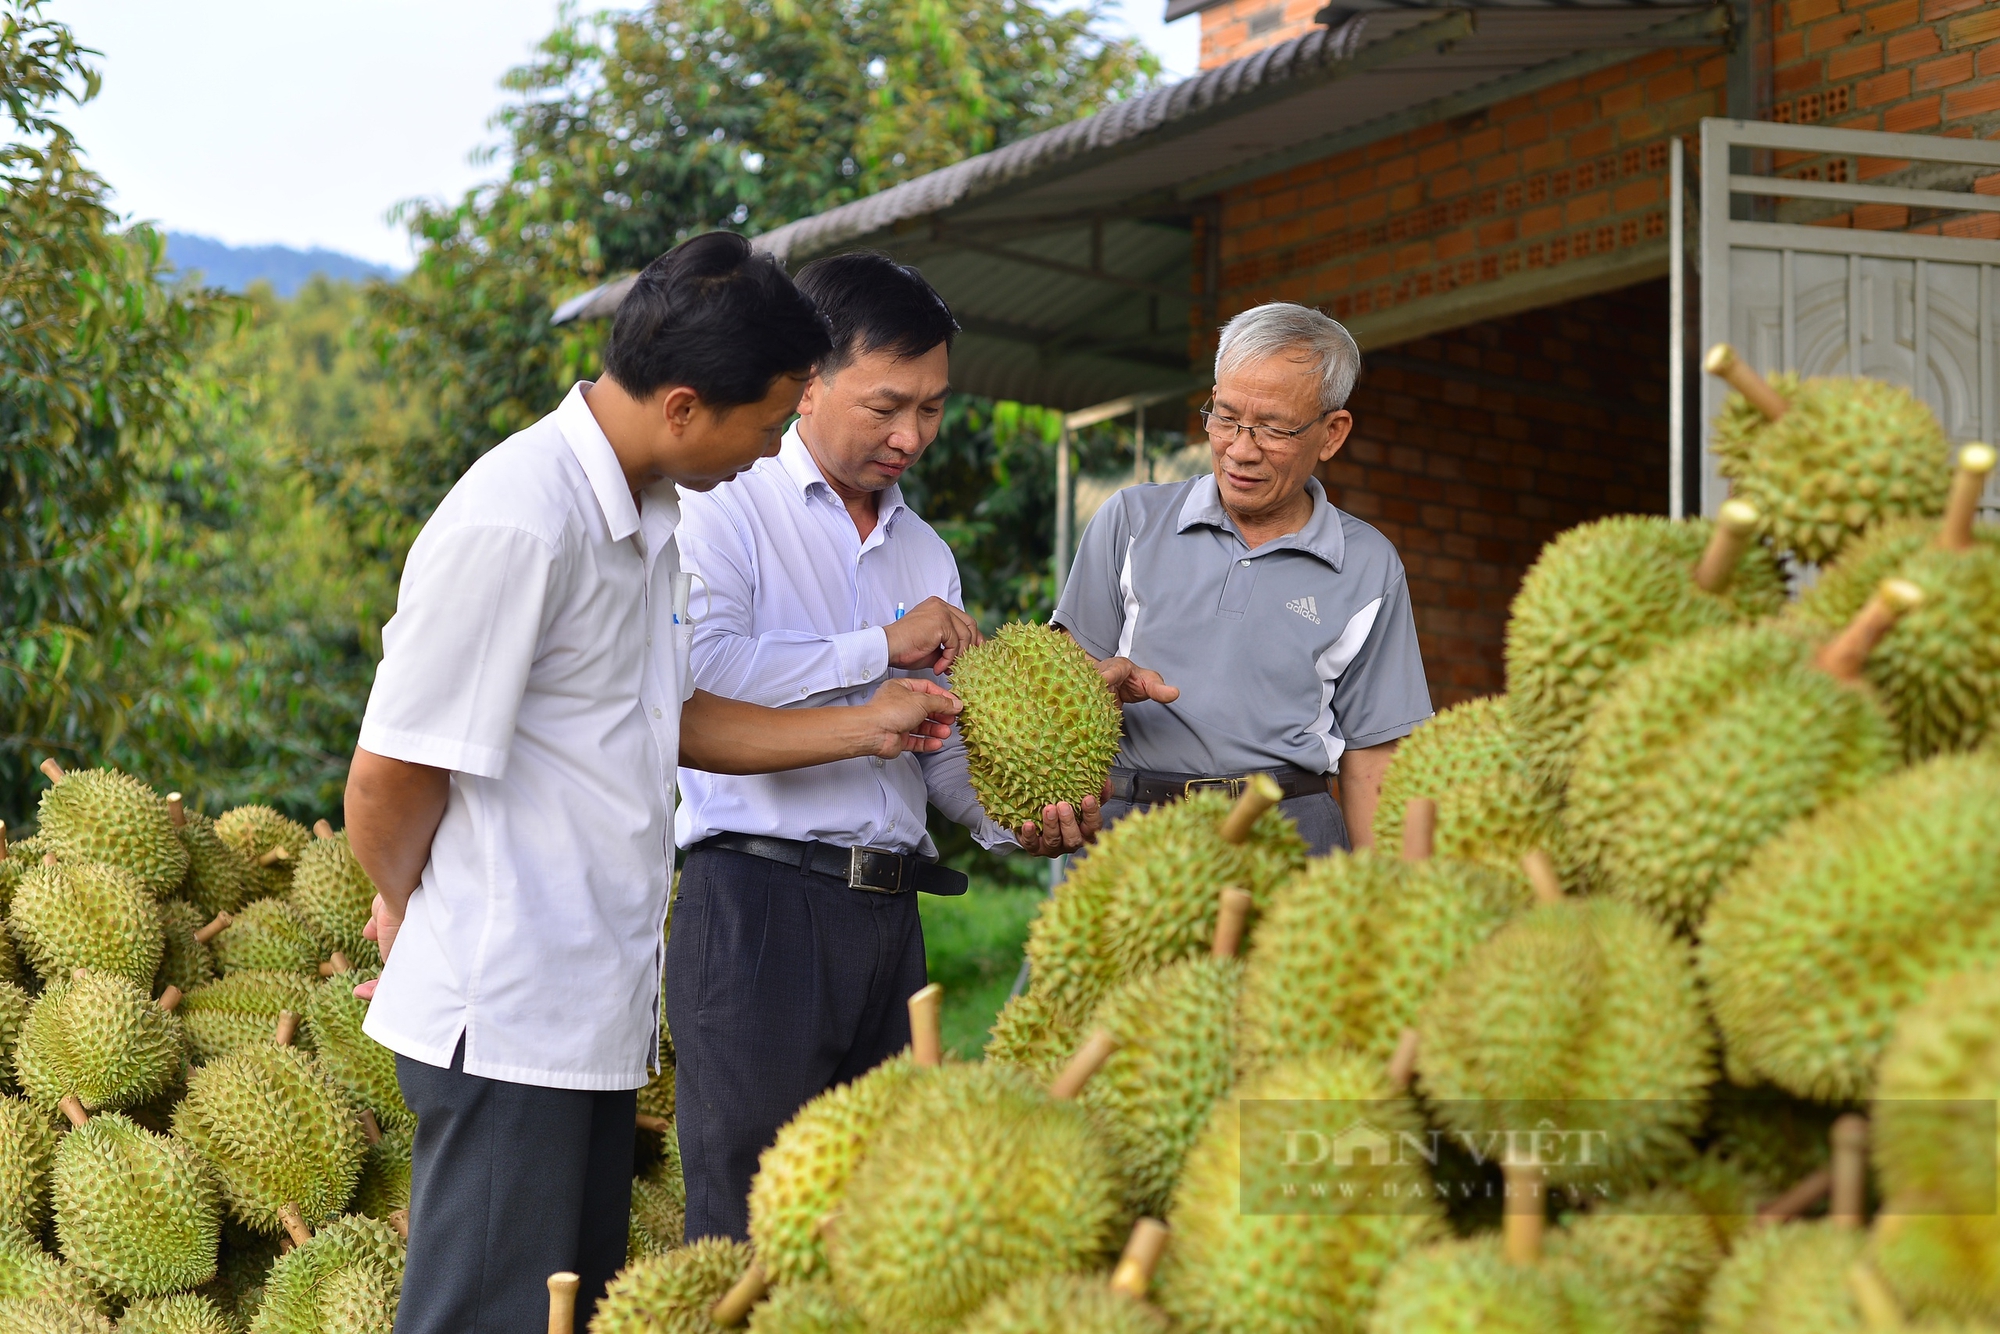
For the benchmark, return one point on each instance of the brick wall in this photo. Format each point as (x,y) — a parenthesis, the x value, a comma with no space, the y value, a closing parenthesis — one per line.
(1237,28)
(1472,448)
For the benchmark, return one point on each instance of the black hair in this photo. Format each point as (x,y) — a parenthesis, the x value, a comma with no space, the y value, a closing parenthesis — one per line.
(718,317)
(872,303)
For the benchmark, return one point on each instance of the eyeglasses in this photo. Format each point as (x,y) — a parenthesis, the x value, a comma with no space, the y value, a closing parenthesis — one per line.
(1224,431)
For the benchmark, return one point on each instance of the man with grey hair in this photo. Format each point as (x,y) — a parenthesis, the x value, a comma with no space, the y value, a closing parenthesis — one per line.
(1285,622)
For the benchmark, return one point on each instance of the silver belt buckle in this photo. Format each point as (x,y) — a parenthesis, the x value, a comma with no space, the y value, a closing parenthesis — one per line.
(857,877)
(1233,786)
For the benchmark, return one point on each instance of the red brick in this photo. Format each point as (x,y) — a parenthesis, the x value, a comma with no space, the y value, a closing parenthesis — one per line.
(1937,9)
(1539,220)
(1437,157)
(1843,65)
(1989,60)
(1545,156)
(1881,217)
(1944,73)
(1974,29)
(1405,168)
(1860,123)
(1587,208)
(1496,233)
(1496,168)
(1799,78)
(1565,91)
(1525,130)
(1896,14)
(1637,194)
(1454,244)
(1589,143)
(1615,102)
(1612,76)
(1918,115)
(1674,83)
(1975,101)
(1448,183)
(1714,73)
(1983,226)
(1825,36)
(1882,88)
(1868,168)
(1913,45)
(1801,12)
(1789,47)
(1480,143)
(1368,208)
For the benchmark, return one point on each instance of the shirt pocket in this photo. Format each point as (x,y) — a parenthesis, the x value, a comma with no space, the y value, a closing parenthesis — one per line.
(684,659)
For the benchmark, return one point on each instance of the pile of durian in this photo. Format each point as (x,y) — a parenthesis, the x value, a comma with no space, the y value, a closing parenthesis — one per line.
(1717,879)
(195,1135)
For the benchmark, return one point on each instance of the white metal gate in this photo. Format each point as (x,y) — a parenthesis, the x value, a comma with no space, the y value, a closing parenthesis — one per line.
(1918,310)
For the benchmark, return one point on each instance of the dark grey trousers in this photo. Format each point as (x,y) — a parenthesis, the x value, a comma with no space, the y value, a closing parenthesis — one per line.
(780,984)
(510,1183)
(1318,817)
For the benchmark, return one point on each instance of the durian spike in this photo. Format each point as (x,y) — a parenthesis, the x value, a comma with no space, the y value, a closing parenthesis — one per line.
(1420,823)
(170,998)
(1094,1052)
(177,810)
(1260,794)
(1722,361)
(659,1125)
(321,829)
(371,1129)
(1229,920)
(1809,1190)
(1850,1171)
(1540,868)
(295,1223)
(274,856)
(288,1028)
(53,770)
(215,928)
(1880,1311)
(735,1304)
(72,1107)
(335,966)
(562,1302)
(399,1221)
(1735,525)
(1143,1250)
(1842,656)
(1403,1061)
(1974,463)
(1525,1213)
(926,1031)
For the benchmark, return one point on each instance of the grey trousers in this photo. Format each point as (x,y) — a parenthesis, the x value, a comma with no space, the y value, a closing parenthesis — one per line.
(1317,816)
(510,1183)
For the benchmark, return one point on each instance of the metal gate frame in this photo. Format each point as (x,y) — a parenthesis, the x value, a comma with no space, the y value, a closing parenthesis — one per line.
(1721,234)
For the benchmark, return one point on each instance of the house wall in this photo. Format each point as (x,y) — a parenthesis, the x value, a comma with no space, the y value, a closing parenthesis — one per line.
(1237,28)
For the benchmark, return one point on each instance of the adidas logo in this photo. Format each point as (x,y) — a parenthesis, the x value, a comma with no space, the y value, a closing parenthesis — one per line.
(1305,607)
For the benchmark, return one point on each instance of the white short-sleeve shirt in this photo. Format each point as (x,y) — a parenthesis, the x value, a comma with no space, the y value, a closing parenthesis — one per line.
(519,659)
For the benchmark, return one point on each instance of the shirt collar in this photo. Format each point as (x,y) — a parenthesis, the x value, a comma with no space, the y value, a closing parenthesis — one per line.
(804,470)
(600,464)
(1320,537)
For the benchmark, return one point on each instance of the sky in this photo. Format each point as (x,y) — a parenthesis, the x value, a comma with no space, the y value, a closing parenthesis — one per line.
(304,122)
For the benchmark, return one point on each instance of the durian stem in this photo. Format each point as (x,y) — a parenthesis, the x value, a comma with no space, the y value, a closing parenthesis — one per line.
(72,1107)
(321,829)
(1089,1058)
(170,998)
(336,965)
(294,1223)
(1850,1171)
(1809,1190)
(214,928)
(399,1222)
(1843,656)
(274,856)
(371,1129)
(1540,868)
(176,810)
(3,840)
(49,859)
(562,1302)
(659,1125)
(1735,525)
(1420,824)
(926,1030)
(735,1304)
(53,770)
(1403,1061)
(1880,1311)
(1723,361)
(1143,1250)
(288,1028)
(1974,463)
(1229,920)
(1260,794)
(1525,1213)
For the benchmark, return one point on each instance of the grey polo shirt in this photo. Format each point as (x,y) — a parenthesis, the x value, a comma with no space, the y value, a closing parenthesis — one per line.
(1286,655)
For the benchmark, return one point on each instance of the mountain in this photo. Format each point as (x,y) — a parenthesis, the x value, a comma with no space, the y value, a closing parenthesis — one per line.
(286,269)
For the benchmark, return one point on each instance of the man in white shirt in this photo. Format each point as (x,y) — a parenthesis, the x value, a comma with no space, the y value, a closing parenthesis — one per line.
(796,940)
(512,789)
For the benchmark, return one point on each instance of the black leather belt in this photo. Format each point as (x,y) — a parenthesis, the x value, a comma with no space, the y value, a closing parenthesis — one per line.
(1144,787)
(877,870)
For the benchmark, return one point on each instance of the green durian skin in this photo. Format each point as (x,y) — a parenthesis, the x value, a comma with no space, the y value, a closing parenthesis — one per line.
(12,971)
(29,1273)
(360,1299)
(803,1176)
(1586,1000)
(102,815)
(218,879)
(1280,1273)
(672,1293)
(385,1174)
(1176,1032)
(14,1006)
(269,936)
(1601,597)
(86,915)
(1468,1287)
(1353,946)
(100,1038)
(1650,1259)
(1938,668)
(975,1180)
(360,1064)
(27,1156)
(1831,930)
(240,1010)
(805,1308)
(1072,1303)
(659,1215)
(1040,725)
(185,1313)
(1787,1279)
(184,960)
(1027,1034)
(296,1295)
(137,1212)
(1847,454)
(1707,750)
(277,1129)
(333,894)
(32,1315)
(252,831)
(1468,760)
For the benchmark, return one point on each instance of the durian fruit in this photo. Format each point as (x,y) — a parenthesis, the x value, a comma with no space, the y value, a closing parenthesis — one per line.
(1910,868)
(672,1293)
(385,1174)
(1469,1287)
(186,1313)
(1583,1006)
(806,1308)
(1768,1136)
(1650,1258)
(269,936)
(218,878)
(1083,1303)
(1711,747)
(184,956)
(14,1005)
(803,1177)
(360,1064)
(279,1132)
(268,841)
(99,1039)
(307,1280)
(240,1011)
(659,1208)
(27,1154)
(1791,1278)
(1026,1034)
(360,1299)
(12,971)
(1604,596)
(137,1212)
(335,896)
(1823,459)
(45,1316)
(1468,760)
(29,1273)
(86,915)
(102,815)
(1310,1267)
(1040,725)
(976,1179)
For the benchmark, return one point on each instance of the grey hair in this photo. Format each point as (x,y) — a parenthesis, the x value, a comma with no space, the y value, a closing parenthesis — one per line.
(1280,327)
